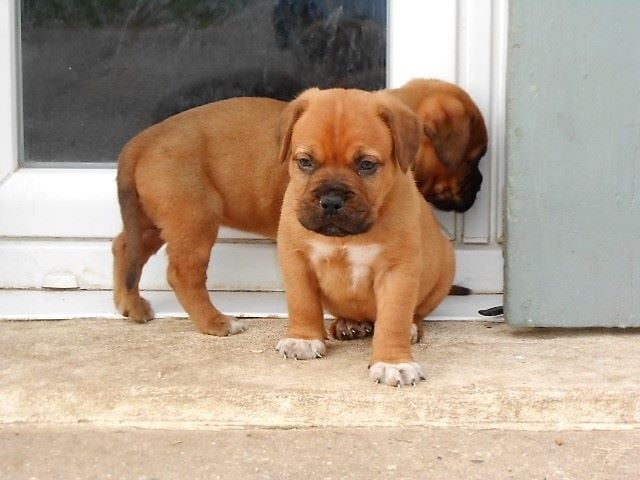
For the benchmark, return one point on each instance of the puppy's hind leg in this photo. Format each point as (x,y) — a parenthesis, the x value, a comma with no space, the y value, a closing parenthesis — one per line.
(417,329)
(126,276)
(189,246)
(131,249)
(344,329)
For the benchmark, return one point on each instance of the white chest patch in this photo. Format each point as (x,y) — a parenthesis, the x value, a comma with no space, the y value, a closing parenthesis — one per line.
(361,258)
(321,251)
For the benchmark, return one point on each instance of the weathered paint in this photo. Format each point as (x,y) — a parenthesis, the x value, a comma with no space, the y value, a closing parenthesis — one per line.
(573,164)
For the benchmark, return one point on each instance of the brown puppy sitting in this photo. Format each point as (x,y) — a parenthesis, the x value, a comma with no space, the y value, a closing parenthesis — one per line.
(180,180)
(355,235)
(446,171)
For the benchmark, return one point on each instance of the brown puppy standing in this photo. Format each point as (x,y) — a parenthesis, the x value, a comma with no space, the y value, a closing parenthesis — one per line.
(180,180)
(355,235)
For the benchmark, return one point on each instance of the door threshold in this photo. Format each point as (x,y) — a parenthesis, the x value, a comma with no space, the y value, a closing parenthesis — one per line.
(76,304)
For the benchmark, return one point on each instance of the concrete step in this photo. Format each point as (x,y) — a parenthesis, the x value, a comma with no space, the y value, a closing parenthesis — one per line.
(113,373)
(112,399)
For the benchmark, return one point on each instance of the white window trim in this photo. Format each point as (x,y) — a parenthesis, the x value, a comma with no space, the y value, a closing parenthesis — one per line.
(8,92)
(56,222)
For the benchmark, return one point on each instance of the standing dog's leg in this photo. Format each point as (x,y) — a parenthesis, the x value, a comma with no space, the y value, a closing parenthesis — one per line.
(189,255)
(127,278)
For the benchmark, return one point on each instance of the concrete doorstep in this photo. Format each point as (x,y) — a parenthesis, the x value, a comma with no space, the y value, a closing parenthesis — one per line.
(101,398)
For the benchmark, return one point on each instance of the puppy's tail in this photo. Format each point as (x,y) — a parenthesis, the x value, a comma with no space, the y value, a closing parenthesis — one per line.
(131,212)
(459,290)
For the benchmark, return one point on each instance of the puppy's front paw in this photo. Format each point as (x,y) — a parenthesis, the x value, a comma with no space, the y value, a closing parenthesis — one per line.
(396,374)
(301,349)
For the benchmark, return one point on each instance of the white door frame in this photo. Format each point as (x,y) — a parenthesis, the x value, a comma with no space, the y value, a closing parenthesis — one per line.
(56,223)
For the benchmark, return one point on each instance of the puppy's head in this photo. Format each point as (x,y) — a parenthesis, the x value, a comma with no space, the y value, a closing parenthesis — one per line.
(454,141)
(345,149)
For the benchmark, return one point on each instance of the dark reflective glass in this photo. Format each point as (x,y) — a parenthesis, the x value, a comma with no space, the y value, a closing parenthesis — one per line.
(96,72)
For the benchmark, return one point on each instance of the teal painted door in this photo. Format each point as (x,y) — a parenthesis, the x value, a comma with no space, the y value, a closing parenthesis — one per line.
(572,254)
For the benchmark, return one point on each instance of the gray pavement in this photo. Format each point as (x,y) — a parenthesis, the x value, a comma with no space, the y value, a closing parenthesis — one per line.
(112,399)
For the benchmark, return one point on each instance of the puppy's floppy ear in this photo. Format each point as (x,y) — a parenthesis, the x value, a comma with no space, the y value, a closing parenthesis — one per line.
(405,130)
(452,128)
(288,119)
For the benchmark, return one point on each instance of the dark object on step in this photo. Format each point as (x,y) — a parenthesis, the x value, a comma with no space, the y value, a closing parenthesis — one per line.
(459,290)
(492,312)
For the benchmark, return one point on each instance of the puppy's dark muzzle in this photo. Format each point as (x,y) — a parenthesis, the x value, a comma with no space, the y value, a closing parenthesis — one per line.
(333,211)
(464,200)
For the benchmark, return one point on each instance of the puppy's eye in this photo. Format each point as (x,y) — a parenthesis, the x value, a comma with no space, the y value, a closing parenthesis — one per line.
(367,166)
(306,164)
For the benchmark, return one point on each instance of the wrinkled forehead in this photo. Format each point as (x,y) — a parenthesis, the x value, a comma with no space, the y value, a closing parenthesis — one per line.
(336,124)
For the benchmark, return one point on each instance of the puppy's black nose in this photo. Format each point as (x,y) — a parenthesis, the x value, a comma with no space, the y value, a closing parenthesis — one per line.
(331,202)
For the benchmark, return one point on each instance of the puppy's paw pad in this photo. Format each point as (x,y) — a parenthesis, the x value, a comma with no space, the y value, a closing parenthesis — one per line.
(301,349)
(343,329)
(396,374)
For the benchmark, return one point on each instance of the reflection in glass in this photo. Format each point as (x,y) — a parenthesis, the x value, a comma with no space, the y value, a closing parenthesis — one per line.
(96,72)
